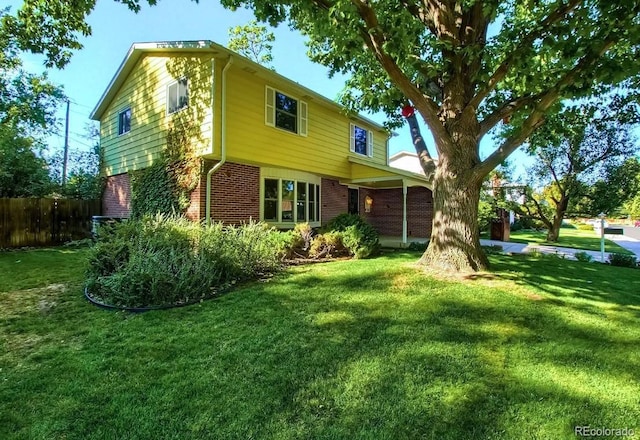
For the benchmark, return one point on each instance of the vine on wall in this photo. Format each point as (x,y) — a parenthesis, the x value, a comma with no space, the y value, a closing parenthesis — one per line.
(166,186)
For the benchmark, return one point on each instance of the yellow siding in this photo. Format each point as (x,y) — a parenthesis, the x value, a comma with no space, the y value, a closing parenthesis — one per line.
(145,91)
(364,172)
(324,151)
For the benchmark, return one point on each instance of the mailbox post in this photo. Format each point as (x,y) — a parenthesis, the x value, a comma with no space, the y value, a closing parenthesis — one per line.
(601,217)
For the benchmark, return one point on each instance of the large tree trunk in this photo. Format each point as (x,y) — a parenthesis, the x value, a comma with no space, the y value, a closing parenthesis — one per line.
(455,236)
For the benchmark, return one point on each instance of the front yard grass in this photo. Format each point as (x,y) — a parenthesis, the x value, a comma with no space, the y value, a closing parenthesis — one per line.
(569,238)
(368,349)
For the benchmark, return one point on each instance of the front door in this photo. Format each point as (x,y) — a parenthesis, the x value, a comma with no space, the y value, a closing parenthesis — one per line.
(353,201)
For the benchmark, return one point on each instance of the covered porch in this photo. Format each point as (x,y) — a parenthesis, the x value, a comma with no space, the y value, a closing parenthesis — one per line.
(396,202)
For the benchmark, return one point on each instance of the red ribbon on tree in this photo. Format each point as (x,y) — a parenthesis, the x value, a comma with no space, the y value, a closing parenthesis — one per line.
(408,111)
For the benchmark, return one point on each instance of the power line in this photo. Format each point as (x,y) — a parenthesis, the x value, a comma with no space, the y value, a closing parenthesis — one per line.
(73,101)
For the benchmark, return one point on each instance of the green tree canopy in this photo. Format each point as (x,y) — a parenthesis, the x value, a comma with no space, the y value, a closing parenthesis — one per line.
(576,151)
(23,173)
(465,66)
(253,41)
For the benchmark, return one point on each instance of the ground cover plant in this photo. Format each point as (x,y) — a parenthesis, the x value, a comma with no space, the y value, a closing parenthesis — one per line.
(569,237)
(354,349)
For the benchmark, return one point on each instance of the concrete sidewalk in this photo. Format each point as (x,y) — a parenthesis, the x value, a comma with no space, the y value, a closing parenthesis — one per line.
(518,248)
(626,242)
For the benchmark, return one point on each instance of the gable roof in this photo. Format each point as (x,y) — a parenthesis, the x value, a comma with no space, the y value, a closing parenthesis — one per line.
(137,50)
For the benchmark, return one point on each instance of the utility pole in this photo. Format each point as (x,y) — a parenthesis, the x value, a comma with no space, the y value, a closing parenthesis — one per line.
(66,147)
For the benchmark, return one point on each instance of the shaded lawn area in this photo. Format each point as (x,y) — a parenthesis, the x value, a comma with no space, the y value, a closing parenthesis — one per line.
(367,349)
(570,238)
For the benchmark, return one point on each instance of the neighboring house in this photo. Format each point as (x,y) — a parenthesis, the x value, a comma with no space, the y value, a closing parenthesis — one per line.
(407,161)
(273,150)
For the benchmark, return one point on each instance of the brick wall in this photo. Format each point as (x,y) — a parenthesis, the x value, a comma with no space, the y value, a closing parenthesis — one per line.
(116,198)
(235,194)
(386,212)
(419,212)
(334,198)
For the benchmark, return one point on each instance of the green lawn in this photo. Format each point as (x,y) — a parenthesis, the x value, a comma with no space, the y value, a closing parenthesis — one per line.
(368,349)
(570,238)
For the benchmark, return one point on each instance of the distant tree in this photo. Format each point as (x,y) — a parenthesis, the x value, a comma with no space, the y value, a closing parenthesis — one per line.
(632,206)
(609,194)
(84,167)
(23,173)
(253,41)
(577,147)
(465,66)
(28,101)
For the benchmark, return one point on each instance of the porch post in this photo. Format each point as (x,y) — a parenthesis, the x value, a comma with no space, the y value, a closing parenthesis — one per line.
(404,213)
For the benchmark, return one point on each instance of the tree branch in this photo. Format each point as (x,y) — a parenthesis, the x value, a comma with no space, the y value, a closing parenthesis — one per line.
(374,39)
(507,109)
(504,67)
(536,118)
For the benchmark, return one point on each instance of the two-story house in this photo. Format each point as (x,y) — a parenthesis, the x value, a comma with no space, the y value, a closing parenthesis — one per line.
(273,150)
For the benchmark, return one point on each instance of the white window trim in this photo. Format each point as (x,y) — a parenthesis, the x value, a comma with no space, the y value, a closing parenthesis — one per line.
(167,96)
(120,113)
(352,140)
(302,118)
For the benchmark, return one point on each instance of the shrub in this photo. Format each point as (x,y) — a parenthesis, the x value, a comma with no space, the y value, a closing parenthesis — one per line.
(418,246)
(298,240)
(584,227)
(493,249)
(358,236)
(622,260)
(583,256)
(327,245)
(166,260)
(523,222)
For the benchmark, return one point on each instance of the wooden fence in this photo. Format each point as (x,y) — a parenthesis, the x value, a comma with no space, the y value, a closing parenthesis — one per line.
(45,222)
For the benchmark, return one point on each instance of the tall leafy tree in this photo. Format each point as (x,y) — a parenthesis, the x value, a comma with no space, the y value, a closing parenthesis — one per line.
(23,172)
(611,192)
(464,65)
(577,150)
(28,103)
(253,41)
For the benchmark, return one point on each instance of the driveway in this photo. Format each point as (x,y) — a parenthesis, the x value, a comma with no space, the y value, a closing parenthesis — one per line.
(630,240)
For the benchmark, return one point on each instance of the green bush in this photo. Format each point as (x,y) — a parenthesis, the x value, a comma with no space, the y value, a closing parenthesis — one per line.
(583,256)
(328,245)
(493,249)
(165,260)
(622,260)
(418,246)
(584,227)
(523,222)
(358,236)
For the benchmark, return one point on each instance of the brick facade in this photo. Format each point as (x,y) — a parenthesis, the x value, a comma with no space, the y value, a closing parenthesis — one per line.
(235,198)
(235,193)
(386,212)
(419,212)
(334,199)
(116,198)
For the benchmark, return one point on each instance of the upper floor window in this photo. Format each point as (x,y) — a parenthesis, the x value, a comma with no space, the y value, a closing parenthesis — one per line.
(285,112)
(177,96)
(124,121)
(361,141)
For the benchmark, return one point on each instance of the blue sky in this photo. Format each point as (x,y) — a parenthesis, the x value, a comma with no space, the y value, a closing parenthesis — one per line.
(115,28)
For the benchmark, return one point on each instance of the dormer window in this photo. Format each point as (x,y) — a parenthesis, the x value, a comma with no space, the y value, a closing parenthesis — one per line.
(177,96)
